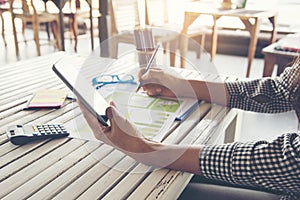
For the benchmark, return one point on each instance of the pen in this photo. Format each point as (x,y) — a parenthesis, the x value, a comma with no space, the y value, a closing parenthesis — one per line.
(148,66)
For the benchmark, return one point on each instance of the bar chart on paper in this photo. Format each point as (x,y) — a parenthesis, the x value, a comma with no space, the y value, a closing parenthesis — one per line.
(152,116)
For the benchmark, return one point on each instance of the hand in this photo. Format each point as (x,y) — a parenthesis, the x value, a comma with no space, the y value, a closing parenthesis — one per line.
(121,134)
(124,136)
(157,82)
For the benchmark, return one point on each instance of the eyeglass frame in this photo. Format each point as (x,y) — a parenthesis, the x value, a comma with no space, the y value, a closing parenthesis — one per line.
(100,84)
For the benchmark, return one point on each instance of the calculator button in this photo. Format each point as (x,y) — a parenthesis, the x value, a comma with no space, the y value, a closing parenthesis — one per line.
(12,132)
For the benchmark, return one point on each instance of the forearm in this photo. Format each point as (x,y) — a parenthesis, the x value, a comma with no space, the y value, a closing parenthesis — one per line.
(176,157)
(210,91)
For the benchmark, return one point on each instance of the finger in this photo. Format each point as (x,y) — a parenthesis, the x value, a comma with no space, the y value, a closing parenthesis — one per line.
(153,73)
(109,114)
(153,90)
(141,72)
(113,116)
(112,103)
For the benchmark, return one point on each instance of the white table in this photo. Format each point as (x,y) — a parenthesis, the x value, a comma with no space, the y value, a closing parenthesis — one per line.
(67,168)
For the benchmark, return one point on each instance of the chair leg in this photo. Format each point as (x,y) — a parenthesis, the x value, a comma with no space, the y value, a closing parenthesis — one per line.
(173,45)
(91,27)
(165,46)
(36,36)
(23,31)
(15,35)
(3,34)
(71,28)
(74,29)
(201,43)
(47,30)
(55,30)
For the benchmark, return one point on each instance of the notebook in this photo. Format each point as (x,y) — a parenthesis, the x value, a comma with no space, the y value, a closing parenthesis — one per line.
(47,98)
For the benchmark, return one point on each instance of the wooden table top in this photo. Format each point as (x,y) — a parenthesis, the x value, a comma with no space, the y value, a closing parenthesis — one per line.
(72,168)
(288,46)
(200,8)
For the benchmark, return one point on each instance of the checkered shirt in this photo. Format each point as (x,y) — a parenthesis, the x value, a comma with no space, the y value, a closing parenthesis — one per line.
(274,166)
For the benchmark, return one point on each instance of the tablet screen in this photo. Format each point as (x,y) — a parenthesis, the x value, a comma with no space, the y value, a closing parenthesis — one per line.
(71,76)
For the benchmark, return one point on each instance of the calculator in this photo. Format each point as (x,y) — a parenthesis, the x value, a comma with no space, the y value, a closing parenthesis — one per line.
(23,134)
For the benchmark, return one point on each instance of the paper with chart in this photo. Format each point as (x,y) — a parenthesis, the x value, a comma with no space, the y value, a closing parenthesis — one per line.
(153,116)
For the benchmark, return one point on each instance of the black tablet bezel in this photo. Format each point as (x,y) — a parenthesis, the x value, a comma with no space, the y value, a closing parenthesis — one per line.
(81,94)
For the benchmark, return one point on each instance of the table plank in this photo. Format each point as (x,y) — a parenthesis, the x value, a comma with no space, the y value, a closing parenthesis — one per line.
(86,180)
(14,181)
(59,183)
(154,181)
(22,156)
(46,176)
(113,176)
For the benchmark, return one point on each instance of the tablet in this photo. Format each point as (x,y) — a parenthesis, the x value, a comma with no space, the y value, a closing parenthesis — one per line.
(67,71)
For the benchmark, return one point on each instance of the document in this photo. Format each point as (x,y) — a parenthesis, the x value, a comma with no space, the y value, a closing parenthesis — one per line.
(152,116)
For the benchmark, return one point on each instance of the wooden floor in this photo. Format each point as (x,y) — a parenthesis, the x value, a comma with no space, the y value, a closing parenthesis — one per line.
(28,50)
(224,64)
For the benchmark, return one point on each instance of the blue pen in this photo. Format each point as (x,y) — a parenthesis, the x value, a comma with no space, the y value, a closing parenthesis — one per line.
(148,66)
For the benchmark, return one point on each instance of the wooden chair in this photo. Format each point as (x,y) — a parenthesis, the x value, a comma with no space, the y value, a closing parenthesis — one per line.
(157,15)
(74,10)
(28,13)
(124,19)
(4,7)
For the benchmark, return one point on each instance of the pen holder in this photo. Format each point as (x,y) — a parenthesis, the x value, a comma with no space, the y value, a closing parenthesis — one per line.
(144,57)
(144,43)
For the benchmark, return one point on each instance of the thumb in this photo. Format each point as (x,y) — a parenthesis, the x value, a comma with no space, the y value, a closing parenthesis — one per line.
(108,113)
(113,114)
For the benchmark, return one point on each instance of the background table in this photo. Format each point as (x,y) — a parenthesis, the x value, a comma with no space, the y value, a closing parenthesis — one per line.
(195,10)
(273,56)
(71,168)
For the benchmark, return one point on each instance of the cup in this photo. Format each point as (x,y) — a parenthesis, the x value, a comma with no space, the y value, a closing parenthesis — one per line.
(144,56)
(144,43)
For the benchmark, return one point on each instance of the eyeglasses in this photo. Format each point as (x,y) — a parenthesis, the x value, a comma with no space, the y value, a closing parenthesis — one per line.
(107,79)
